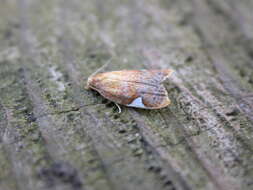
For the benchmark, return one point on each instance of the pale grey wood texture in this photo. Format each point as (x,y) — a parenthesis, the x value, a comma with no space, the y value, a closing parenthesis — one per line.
(50,140)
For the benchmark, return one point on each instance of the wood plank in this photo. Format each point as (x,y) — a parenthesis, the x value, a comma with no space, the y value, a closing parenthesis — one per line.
(54,134)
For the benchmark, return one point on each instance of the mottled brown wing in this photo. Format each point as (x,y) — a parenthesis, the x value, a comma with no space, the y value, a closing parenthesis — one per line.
(142,89)
(154,97)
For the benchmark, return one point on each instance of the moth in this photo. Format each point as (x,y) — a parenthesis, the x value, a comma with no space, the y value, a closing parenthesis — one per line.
(132,88)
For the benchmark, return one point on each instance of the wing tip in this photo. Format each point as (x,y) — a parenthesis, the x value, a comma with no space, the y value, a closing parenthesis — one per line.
(169,72)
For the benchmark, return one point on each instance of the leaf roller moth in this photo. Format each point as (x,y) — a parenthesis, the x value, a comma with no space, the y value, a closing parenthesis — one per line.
(133,88)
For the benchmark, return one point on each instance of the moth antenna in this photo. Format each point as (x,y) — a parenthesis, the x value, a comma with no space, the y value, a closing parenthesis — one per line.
(101,68)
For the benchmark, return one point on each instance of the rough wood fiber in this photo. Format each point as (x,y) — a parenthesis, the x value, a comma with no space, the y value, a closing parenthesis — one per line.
(49,140)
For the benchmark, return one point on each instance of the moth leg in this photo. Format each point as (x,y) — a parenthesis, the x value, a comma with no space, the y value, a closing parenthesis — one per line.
(118,106)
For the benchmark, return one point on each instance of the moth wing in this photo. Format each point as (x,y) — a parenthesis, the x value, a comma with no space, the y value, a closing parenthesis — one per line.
(138,76)
(155,76)
(156,99)
(145,77)
(142,89)
(151,98)
(152,94)
(115,85)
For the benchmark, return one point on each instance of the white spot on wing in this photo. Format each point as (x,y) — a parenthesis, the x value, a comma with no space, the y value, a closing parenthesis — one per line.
(137,103)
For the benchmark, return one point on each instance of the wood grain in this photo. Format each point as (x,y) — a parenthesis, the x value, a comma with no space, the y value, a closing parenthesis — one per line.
(54,134)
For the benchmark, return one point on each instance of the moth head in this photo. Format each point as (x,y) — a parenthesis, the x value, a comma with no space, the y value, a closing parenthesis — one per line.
(89,82)
(93,81)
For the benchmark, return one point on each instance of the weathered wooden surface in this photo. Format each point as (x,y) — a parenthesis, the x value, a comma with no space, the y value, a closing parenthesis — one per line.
(48,140)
